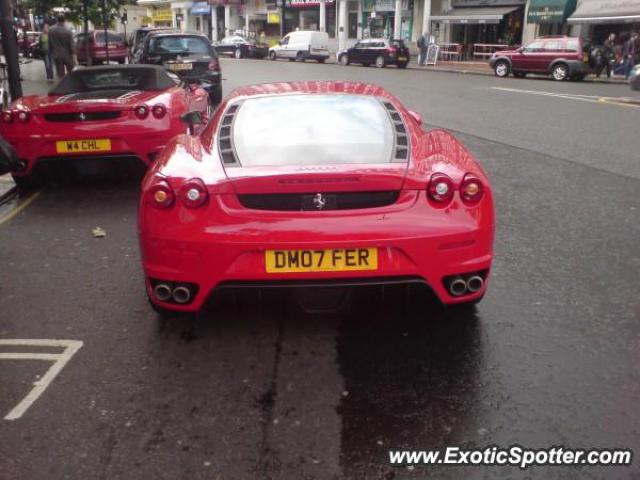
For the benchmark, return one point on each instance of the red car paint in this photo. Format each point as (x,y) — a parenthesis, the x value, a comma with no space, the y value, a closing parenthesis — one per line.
(36,138)
(223,241)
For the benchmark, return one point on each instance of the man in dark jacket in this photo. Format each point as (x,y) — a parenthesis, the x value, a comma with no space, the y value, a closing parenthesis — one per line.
(61,47)
(631,52)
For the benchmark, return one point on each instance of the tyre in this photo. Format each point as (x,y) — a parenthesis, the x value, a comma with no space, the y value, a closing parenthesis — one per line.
(26,183)
(216,96)
(321,60)
(560,72)
(519,74)
(344,59)
(238,53)
(300,57)
(272,55)
(501,69)
(122,61)
(380,62)
(403,65)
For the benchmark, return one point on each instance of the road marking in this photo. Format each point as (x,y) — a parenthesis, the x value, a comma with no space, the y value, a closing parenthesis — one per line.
(622,101)
(59,361)
(21,206)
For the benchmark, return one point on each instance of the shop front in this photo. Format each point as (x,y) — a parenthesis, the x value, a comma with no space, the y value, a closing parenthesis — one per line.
(550,16)
(597,19)
(488,23)
(305,15)
(380,19)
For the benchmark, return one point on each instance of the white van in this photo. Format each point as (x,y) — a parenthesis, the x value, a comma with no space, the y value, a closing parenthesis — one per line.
(301,45)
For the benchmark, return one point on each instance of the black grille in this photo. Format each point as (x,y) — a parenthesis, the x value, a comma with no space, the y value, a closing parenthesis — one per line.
(81,116)
(311,201)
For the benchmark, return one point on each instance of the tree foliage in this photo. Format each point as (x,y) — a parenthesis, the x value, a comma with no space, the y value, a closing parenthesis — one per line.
(74,10)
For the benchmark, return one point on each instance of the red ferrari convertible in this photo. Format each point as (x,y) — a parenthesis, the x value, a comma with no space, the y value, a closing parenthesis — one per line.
(314,184)
(114,112)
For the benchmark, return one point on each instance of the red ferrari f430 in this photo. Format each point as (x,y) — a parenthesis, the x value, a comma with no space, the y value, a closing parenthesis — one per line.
(106,112)
(314,184)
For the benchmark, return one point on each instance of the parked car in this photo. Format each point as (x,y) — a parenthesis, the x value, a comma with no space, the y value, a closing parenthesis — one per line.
(561,57)
(302,45)
(241,47)
(108,111)
(188,55)
(248,203)
(140,33)
(115,44)
(378,51)
(634,78)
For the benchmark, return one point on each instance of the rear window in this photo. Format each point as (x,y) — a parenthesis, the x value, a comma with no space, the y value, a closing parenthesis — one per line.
(112,37)
(397,43)
(312,130)
(572,45)
(179,45)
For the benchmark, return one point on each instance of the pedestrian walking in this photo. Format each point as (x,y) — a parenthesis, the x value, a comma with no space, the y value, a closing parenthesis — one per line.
(630,53)
(609,54)
(43,46)
(423,46)
(61,47)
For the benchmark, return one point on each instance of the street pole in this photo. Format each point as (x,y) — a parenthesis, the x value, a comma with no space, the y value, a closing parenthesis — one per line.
(10,48)
(85,14)
(106,37)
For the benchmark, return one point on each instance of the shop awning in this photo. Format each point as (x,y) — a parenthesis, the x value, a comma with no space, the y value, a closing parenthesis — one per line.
(474,15)
(606,11)
(550,11)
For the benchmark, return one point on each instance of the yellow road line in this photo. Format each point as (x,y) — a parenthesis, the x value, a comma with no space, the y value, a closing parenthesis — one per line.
(615,101)
(21,206)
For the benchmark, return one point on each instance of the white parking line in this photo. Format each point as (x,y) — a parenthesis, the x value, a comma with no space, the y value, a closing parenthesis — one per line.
(619,101)
(59,359)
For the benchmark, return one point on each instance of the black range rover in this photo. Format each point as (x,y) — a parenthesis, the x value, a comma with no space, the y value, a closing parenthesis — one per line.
(188,55)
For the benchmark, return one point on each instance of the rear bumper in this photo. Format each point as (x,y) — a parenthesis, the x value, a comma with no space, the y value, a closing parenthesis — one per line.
(228,249)
(34,149)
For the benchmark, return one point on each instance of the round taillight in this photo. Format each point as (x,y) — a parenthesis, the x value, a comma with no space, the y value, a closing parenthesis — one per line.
(7,116)
(194,193)
(142,112)
(471,188)
(159,111)
(24,116)
(440,188)
(161,195)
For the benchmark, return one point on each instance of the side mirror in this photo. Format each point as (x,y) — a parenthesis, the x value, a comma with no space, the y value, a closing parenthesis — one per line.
(8,158)
(192,119)
(416,116)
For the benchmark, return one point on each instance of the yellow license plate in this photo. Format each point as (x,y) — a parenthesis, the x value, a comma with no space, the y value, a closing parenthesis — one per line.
(177,67)
(77,146)
(335,260)
(402,59)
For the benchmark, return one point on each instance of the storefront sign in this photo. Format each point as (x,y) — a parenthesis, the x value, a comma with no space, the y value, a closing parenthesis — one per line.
(162,16)
(306,3)
(385,5)
(201,8)
(273,18)
(224,2)
(550,11)
(485,3)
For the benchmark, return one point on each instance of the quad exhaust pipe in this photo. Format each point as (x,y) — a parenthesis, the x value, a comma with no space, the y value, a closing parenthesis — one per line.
(457,286)
(460,285)
(181,295)
(474,283)
(162,291)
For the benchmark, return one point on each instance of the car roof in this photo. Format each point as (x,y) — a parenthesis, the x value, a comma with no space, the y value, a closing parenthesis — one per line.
(176,33)
(312,87)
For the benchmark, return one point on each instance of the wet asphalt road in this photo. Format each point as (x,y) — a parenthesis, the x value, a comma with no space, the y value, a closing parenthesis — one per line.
(257,388)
